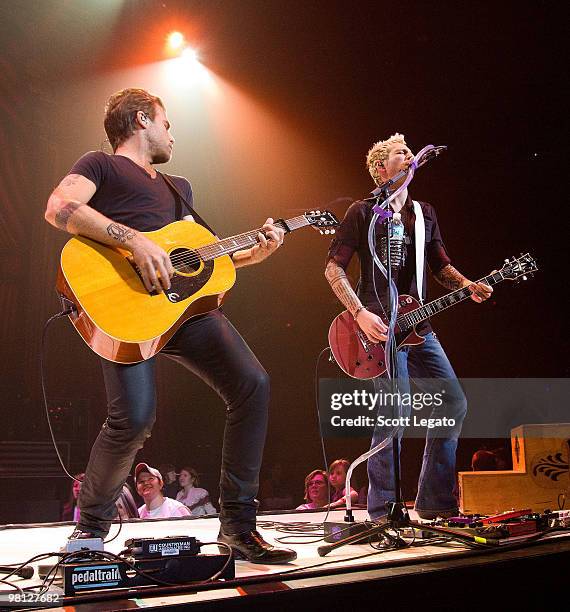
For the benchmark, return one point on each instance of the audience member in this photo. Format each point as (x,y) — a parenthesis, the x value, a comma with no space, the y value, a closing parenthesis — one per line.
(197,500)
(273,494)
(483,461)
(337,478)
(149,486)
(503,457)
(170,476)
(316,490)
(70,511)
(490,460)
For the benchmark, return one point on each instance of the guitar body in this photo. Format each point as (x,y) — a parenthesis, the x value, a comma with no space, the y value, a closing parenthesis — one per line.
(360,358)
(355,354)
(116,316)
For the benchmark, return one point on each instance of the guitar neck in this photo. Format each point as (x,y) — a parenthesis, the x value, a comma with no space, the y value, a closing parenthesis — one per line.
(408,320)
(230,245)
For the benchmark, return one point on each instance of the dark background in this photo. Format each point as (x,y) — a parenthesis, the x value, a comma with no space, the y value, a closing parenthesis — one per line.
(304,89)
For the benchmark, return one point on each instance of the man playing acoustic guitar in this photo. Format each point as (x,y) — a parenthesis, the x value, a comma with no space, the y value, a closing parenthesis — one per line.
(428,360)
(112,199)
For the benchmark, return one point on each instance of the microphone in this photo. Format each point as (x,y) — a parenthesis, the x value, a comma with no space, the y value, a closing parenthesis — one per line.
(24,572)
(397,243)
(431,153)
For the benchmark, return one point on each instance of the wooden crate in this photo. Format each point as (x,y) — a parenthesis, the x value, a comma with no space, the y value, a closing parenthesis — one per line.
(539,479)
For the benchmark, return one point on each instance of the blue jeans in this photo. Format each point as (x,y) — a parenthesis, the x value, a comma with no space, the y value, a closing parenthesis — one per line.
(436,485)
(210,347)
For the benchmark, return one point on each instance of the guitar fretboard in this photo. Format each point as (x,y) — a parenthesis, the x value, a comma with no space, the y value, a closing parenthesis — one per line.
(407,320)
(230,245)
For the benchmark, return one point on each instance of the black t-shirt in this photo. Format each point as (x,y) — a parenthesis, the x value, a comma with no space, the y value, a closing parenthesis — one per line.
(126,193)
(352,236)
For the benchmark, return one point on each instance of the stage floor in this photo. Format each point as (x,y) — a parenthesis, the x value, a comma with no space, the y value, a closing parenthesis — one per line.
(347,565)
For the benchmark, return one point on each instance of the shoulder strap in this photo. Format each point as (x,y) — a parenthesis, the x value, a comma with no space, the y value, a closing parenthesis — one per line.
(420,235)
(180,199)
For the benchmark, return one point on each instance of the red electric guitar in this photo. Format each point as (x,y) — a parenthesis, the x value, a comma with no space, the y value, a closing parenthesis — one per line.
(361,358)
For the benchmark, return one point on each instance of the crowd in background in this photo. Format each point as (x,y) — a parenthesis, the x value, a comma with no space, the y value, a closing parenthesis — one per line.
(166,492)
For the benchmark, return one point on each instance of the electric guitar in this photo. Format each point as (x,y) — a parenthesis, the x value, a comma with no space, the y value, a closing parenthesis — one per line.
(122,321)
(360,358)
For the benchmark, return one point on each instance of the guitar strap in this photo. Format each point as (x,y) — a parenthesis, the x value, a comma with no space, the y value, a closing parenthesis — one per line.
(181,200)
(420,235)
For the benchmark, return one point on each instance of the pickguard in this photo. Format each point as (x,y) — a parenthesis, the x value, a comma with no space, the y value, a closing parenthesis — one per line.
(182,286)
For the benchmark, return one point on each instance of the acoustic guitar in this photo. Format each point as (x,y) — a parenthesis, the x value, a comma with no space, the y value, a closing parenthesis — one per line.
(123,322)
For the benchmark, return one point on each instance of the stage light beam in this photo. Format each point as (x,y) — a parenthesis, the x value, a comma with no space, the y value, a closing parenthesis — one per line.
(190,55)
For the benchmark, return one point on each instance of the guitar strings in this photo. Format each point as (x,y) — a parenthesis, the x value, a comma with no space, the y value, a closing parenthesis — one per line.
(217,249)
(409,318)
(192,257)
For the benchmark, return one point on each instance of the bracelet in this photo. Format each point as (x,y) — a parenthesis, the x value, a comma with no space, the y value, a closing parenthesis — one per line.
(357,311)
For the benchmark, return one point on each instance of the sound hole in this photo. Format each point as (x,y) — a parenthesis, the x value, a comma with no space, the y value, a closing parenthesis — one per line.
(185,261)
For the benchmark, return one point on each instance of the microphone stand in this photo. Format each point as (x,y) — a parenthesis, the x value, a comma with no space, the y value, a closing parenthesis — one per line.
(397,512)
(397,516)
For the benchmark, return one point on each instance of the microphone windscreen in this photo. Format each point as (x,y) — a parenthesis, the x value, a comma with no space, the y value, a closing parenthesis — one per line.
(26,572)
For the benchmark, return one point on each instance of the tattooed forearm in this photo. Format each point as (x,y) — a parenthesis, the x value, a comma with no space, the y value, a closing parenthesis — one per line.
(341,286)
(451,278)
(120,232)
(64,214)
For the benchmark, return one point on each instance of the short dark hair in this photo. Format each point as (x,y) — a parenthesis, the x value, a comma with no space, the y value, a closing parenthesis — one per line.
(483,461)
(121,113)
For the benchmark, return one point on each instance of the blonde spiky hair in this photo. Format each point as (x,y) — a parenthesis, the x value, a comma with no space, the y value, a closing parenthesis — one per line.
(379,152)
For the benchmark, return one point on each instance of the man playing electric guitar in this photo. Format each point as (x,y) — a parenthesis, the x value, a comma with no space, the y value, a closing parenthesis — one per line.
(112,199)
(427,360)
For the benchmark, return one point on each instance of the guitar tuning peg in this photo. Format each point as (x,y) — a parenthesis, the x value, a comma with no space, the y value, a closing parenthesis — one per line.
(507,260)
(525,277)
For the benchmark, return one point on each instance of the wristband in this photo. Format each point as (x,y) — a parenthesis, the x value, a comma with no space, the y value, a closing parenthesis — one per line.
(357,311)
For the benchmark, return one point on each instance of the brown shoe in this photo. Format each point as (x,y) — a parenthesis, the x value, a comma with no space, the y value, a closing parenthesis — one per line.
(251,546)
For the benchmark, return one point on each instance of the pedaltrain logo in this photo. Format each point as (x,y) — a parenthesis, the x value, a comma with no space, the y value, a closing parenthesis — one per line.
(95,577)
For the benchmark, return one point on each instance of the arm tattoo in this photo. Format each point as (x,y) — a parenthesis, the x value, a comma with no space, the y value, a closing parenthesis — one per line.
(450,278)
(341,286)
(120,232)
(68,181)
(65,213)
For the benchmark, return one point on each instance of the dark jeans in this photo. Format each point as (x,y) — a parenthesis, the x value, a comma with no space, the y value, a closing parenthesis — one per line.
(436,486)
(210,347)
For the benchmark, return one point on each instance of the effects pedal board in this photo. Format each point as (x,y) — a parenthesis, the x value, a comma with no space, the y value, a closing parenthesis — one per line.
(170,546)
(103,575)
(508,526)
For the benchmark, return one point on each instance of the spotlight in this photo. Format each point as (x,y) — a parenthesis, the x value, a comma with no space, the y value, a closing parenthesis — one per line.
(175,41)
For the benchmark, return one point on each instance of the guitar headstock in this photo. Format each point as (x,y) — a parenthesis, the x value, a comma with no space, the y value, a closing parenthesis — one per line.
(324,222)
(522,266)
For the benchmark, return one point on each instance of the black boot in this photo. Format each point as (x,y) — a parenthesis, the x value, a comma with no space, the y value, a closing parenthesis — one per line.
(251,546)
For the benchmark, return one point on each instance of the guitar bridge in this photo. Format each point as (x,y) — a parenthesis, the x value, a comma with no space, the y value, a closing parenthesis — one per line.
(364,341)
